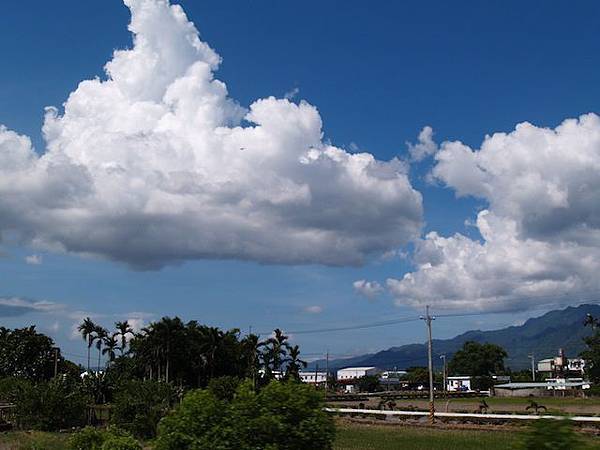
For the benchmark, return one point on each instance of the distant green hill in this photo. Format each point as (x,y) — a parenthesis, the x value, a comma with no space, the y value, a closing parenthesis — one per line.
(542,335)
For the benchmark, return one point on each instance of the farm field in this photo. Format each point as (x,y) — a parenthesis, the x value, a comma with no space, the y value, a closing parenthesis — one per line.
(586,406)
(365,437)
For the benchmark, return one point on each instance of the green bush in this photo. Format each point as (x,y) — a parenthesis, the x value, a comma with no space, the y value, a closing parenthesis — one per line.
(50,406)
(551,434)
(138,406)
(89,438)
(113,438)
(10,388)
(283,416)
(224,387)
(121,443)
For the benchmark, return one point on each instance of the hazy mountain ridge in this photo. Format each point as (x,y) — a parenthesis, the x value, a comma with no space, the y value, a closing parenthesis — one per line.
(542,336)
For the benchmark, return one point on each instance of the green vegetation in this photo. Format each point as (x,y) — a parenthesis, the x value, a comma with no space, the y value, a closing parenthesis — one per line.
(592,352)
(33,441)
(138,406)
(366,437)
(554,434)
(480,361)
(112,438)
(282,415)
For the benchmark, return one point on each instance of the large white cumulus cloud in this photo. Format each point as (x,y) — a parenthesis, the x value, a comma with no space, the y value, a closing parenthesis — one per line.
(155,164)
(540,233)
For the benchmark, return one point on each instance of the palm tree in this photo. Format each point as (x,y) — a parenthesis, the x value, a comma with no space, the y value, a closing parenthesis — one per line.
(295,363)
(123,329)
(591,321)
(87,329)
(210,345)
(110,345)
(277,346)
(101,333)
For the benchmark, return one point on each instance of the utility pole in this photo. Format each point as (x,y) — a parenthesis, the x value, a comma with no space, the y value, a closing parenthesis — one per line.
(327,372)
(532,357)
(55,361)
(443,358)
(428,319)
(316,375)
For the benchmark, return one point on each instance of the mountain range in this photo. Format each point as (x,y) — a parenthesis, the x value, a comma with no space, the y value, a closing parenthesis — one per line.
(541,336)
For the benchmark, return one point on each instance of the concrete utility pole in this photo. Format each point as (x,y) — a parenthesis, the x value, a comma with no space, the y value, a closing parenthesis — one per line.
(55,361)
(428,319)
(327,372)
(532,357)
(443,358)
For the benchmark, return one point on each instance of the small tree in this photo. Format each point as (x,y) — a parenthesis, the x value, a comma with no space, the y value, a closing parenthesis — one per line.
(368,383)
(138,406)
(283,416)
(478,360)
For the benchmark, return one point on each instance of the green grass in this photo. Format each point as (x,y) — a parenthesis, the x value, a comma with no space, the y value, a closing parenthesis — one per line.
(365,437)
(33,441)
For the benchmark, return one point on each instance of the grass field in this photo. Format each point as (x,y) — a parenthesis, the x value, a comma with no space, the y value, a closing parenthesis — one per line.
(366,437)
(32,441)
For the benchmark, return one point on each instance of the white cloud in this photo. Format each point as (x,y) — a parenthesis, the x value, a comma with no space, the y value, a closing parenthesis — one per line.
(425,147)
(16,306)
(34,260)
(156,164)
(369,289)
(291,94)
(315,309)
(540,234)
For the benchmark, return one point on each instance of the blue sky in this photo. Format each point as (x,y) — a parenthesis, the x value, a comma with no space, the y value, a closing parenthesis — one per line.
(377,72)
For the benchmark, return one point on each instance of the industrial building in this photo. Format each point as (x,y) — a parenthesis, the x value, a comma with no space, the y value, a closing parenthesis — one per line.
(353,373)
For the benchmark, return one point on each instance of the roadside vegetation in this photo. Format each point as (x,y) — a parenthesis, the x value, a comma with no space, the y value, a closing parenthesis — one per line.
(178,386)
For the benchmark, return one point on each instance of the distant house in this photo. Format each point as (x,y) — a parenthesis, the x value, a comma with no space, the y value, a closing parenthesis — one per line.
(561,366)
(313,377)
(571,386)
(353,373)
(392,374)
(457,384)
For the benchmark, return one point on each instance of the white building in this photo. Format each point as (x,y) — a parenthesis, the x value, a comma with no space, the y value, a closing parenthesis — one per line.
(454,384)
(352,373)
(313,377)
(392,374)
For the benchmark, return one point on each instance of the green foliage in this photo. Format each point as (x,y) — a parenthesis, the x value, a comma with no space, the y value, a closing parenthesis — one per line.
(91,438)
(368,383)
(25,353)
(592,357)
(50,406)
(138,406)
(417,375)
(10,388)
(478,360)
(284,416)
(121,443)
(224,387)
(551,434)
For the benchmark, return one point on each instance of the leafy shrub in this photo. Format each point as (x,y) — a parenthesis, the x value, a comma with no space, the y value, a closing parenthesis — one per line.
(89,438)
(224,387)
(113,438)
(10,388)
(138,406)
(121,443)
(552,434)
(50,406)
(283,416)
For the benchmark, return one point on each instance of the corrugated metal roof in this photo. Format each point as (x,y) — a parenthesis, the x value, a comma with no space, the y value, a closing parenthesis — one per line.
(540,385)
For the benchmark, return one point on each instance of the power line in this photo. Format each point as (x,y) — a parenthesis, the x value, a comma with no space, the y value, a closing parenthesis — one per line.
(352,327)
